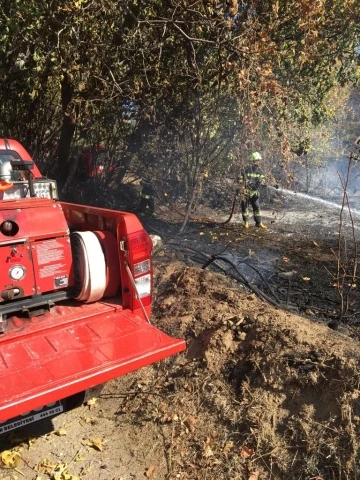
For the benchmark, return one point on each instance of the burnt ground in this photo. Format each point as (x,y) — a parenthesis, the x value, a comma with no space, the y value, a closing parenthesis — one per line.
(299,262)
(265,390)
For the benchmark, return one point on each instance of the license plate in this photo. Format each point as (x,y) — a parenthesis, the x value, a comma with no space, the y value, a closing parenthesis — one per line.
(31,417)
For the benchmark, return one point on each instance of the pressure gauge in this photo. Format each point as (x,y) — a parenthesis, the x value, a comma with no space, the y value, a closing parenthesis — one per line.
(17,272)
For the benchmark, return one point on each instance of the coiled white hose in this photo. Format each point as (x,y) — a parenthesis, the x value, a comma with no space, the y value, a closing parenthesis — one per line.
(89,266)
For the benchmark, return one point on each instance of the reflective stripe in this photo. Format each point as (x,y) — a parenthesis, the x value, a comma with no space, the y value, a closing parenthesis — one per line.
(251,193)
(254,175)
(146,196)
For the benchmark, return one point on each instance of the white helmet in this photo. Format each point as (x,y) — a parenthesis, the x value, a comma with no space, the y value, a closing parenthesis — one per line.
(255,156)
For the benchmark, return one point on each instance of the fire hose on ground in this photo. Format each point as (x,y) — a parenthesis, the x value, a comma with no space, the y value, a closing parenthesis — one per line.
(275,302)
(207,260)
(211,222)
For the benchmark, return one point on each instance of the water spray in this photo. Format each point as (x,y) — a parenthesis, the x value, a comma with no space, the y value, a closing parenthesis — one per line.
(309,197)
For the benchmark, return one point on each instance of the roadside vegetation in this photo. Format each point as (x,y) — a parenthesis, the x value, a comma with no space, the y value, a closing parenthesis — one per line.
(173,89)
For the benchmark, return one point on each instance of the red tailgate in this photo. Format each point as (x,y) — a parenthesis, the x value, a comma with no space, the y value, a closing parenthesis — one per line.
(57,357)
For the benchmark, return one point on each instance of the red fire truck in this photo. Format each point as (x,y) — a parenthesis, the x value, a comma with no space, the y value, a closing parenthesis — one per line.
(93,161)
(76,288)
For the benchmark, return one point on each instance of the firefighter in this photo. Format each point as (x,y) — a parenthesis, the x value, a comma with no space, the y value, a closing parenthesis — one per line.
(147,197)
(250,181)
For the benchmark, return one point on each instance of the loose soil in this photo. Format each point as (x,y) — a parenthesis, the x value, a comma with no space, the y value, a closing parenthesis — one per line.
(261,392)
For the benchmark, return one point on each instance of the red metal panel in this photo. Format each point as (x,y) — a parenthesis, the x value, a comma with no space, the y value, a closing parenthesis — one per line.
(17,270)
(92,218)
(51,360)
(36,327)
(26,202)
(52,264)
(52,257)
(36,220)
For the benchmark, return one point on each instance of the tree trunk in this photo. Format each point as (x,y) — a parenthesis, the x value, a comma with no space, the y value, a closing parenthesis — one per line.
(188,210)
(67,133)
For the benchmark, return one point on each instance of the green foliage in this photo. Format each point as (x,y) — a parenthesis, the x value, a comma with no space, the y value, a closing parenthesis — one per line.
(193,71)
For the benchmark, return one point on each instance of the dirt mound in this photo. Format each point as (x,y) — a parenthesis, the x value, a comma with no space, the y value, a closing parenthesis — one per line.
(260,393)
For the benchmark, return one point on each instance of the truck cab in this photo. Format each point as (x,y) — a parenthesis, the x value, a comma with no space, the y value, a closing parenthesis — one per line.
(76,287)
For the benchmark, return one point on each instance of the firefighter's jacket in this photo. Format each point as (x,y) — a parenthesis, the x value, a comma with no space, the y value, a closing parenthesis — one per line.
(147,190)
(251,179)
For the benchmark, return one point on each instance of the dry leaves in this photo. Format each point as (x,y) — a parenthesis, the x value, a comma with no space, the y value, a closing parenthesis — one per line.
(94,442)
(228,446)
(92,403)
(246,452)
(80,458)
(10,459)
(64,476)
(45,466)
(150,471)
(56,471)
(61,473)
(191,422)
(207,452)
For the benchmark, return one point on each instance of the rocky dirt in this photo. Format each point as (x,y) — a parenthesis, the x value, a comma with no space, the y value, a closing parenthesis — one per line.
(262,392)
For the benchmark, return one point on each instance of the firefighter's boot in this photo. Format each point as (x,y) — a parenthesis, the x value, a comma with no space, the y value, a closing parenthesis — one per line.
(246,224)
(261,225)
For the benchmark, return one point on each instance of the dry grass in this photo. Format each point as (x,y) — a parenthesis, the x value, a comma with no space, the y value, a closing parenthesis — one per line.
(268,392)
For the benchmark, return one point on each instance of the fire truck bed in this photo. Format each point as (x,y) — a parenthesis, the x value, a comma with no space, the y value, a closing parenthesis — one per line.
(44,359)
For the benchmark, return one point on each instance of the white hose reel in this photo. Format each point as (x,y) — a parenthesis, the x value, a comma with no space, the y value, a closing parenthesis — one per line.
(89,267)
